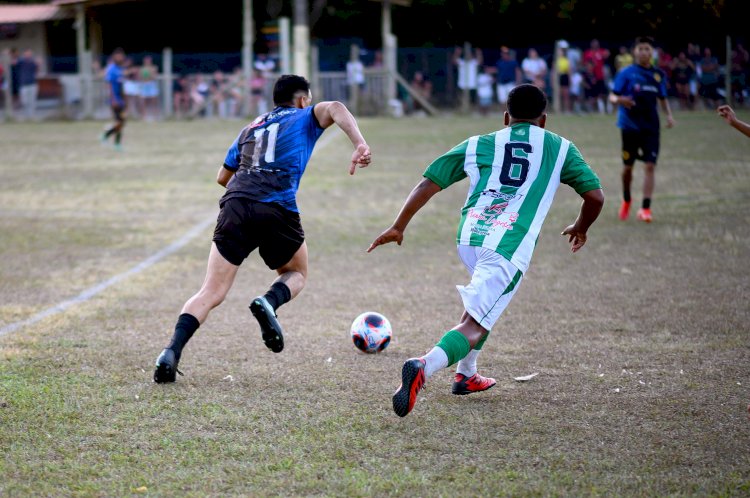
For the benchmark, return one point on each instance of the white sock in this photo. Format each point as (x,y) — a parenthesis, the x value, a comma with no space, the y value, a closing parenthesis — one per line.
(468,366)
(435,360)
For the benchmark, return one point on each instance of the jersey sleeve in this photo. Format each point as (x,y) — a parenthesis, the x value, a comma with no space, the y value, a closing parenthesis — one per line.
(232,160)
(576,173)
(448,168)
(621,80)
(662,85)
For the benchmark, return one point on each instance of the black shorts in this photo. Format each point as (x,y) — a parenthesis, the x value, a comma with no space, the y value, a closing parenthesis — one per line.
(118,112)
(642,145)
(244,225)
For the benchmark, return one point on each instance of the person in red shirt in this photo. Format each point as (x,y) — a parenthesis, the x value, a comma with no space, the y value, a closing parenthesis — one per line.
(597,56)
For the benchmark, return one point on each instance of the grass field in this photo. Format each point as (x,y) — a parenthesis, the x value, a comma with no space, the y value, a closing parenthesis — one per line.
(640,340)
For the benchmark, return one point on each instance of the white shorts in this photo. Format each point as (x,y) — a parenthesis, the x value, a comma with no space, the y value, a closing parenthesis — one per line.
(494,282)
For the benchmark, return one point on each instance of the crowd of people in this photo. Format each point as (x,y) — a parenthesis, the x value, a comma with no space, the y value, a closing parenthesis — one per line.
(694,75)
(195,94)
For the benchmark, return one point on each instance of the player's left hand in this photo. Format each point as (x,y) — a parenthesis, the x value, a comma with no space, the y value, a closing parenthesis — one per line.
(670,121)
(576,237)
(361,156)
(392,234)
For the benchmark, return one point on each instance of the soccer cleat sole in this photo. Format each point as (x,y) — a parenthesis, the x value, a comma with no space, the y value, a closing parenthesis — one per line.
(164,373)
(412,381)
(166,370)
(272,335)
(460,390)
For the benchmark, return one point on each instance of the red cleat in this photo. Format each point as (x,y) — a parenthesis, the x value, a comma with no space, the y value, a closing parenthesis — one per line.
(624,211)
(644,214)
(412,381)
(474,384)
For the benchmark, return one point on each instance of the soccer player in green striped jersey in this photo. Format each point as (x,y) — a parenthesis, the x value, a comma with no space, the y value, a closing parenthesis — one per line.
(513,176)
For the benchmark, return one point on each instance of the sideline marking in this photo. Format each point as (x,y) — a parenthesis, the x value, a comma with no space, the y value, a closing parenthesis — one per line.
(151,260)
(96,289)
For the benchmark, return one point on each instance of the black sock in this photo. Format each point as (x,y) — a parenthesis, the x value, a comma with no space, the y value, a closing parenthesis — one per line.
(187,324)
(278,294)
(118,137)
(646,204)
(626,195)
(109,132)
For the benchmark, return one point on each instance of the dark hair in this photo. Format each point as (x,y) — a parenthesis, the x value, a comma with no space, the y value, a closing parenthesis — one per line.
(644,39)
(526,102)
(286,86)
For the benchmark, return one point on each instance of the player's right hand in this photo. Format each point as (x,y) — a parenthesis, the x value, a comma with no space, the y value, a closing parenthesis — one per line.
(361,156)
(390,235)
(626,101)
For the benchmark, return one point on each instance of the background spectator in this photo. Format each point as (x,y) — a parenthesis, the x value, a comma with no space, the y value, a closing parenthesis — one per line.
(623,59)
(562,72)
(535,69)
(597,57)
(181,95)
(509,74)
(468,69)
(28,67)
(149,88)
(709,79)
(131,88)
(423,86)
(258,96)
(740,58)
(683,72)
(485,84)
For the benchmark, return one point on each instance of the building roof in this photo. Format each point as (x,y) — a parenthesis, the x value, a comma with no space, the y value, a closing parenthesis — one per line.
(24,13)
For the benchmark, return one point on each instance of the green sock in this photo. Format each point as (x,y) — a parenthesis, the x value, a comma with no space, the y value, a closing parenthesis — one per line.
(480,343)
(455,345)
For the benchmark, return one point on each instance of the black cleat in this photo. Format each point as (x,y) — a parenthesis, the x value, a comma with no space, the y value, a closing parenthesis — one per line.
(412,381)
(166,367)
(273,335)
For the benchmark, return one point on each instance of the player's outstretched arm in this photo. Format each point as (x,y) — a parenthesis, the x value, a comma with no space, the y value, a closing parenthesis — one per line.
(418,197)
(730,117)
(328,113)
(593,200)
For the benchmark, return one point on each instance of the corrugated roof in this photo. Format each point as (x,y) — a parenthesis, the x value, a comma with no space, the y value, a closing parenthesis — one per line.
(20,14)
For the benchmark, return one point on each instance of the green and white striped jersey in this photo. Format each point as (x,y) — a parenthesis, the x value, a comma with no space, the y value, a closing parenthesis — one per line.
(513,174)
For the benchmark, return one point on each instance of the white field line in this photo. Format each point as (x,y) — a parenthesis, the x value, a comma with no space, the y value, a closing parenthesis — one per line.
(146,263)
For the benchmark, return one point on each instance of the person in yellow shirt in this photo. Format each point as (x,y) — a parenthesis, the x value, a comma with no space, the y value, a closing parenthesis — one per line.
(562,70)
(623,59)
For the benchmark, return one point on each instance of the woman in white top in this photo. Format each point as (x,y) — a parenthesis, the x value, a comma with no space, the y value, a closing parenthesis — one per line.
(535,69)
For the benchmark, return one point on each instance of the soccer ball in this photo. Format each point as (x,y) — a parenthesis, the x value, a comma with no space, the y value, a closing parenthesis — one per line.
(371,332)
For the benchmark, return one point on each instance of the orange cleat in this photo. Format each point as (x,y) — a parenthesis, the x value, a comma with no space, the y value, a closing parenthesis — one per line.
(624,210)
(644,214)
(474,384)
(412,381)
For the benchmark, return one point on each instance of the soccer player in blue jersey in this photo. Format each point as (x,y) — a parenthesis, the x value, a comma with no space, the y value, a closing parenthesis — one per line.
(637,89)
(114,76)
(261,173)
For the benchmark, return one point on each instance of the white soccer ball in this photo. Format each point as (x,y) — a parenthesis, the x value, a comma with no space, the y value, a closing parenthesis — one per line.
(371,332)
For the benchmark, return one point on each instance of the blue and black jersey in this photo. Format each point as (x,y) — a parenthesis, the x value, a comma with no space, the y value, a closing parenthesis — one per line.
(114,76)
(645,86)
(270,155)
